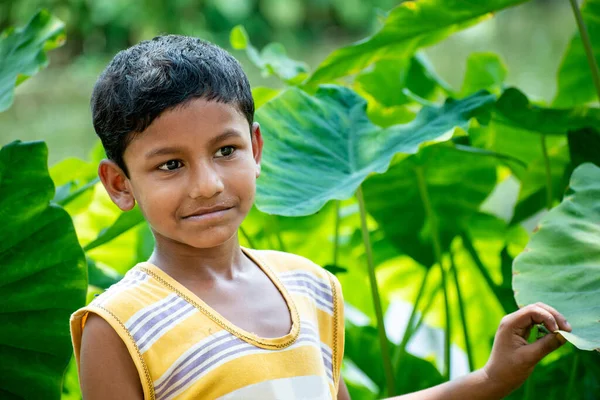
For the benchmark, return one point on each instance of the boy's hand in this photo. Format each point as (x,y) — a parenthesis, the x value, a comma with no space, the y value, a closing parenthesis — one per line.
(513,359)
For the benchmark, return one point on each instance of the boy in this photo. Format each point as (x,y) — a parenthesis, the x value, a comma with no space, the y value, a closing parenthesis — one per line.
(205,318)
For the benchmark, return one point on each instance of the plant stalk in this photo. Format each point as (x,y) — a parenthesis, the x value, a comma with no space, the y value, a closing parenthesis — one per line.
(587,45)
(336,243)
(437,248)
(409,331)
(463,314)
(548,173)
(387,362)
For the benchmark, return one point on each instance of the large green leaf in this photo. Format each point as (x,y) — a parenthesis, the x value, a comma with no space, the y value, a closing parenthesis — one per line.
(408,27)
(321,148)
(23,52)
(457,182)
(42,276)
(561,264)
(574,76)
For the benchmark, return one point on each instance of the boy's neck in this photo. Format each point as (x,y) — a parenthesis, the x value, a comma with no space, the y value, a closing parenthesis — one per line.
(184,262)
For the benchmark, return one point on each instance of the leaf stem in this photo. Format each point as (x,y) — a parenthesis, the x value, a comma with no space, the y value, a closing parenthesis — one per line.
(409,331)
(437,248)
(587,45)
(385,353)
(548,172)
(463,314)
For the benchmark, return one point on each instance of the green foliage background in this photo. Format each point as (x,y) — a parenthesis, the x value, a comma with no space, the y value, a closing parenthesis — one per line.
(420,193)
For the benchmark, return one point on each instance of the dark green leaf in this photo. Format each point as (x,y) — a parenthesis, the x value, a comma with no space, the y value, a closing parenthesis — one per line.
(42,276)
(513,108)
(457,182)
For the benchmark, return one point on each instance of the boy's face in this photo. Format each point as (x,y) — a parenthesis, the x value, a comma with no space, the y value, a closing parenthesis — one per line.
(193,173)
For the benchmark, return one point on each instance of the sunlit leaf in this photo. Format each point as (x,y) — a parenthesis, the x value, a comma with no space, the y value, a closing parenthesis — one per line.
(561,263)
(321,148)
(23,52)
(42,276)
(408,27)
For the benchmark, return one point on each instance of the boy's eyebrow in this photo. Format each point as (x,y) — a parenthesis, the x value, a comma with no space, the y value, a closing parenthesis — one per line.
(163,151)
(225,135)
(173,150)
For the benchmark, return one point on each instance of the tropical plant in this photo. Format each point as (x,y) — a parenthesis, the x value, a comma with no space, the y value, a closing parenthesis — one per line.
(407,188)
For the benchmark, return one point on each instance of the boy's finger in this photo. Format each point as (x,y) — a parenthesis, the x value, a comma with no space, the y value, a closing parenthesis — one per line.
(534,352)
(530,315)
(560,319)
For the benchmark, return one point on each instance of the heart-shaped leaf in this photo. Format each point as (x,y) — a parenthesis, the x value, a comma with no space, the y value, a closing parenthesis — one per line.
(43,276)
(407,27)
(561,263)
(319,148)
(23,52)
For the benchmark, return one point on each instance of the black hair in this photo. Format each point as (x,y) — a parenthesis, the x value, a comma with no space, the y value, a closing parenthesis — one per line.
(156,75)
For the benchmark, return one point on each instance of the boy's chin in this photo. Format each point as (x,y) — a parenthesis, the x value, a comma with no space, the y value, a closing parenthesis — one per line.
(211,238)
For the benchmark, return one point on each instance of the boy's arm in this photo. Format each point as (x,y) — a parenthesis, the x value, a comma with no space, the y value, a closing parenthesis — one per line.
(511,362)
(106,368)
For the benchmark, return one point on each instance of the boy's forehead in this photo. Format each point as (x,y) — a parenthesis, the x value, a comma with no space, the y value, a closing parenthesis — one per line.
(197,124)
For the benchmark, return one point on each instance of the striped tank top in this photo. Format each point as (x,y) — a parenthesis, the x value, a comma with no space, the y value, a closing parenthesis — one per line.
(184,349)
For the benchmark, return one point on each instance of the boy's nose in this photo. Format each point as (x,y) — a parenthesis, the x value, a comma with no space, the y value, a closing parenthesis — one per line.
(205,182)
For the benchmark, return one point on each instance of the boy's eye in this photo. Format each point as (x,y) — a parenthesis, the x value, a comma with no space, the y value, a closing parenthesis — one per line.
(170,165)
(226,151)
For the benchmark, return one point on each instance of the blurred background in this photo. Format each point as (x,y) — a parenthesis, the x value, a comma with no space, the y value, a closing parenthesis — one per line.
(54,105)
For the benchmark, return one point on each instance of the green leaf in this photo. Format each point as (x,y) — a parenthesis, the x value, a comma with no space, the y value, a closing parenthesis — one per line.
(42,276)
(23,52)
(513,108)
(321,148)
(561,263)
(575,84)
(239,38)
(408,27)
(385,87)
(124,223)
(272,60)
(484,71)
(468,177)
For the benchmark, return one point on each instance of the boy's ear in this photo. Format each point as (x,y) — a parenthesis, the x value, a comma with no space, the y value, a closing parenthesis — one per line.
(257,146)
(116,184)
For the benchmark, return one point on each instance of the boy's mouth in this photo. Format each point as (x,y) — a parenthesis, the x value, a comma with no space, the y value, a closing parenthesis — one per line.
(208,211)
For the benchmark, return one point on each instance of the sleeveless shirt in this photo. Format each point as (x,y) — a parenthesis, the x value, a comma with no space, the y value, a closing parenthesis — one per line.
(184,349)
